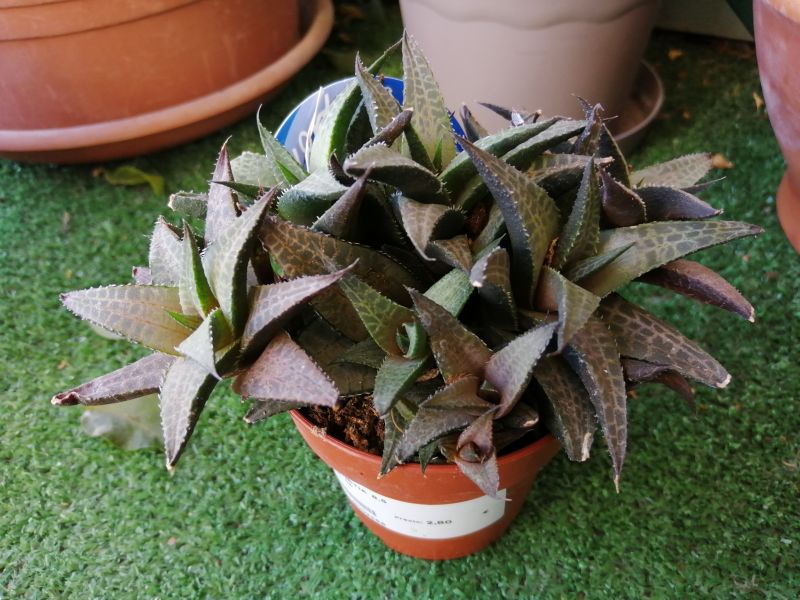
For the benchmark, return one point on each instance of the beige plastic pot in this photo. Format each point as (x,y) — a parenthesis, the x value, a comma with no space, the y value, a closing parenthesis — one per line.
(438,515)
(532,54)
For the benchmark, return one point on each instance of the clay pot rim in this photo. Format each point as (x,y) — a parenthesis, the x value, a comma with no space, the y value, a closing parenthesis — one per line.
(186,113)
(375,460)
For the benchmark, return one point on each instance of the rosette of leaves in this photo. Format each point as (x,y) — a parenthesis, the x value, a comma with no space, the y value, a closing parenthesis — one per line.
(487,288)
(205,314)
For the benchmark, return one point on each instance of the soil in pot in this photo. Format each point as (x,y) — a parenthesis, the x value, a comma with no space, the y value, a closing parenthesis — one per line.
(356,423)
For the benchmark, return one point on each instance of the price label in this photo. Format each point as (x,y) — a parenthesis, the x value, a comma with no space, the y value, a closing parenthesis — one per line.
(428,521)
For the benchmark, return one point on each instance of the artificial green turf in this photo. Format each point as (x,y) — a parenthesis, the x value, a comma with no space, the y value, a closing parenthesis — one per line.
(709,504)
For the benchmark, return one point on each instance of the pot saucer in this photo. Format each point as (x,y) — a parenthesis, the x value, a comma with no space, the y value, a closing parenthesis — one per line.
(176,124)
(641,109)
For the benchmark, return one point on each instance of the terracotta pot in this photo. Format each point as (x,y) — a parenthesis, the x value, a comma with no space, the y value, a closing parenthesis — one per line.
(777,28)
(86,80)
(532,54)
(438,515)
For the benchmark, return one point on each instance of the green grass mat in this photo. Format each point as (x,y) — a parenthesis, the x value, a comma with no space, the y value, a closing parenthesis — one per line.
(710,501)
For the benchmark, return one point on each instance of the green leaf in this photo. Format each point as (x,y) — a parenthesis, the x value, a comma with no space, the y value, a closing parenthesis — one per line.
(557,174)
(670,204)
(135,380)
(421,93)
(341,219)
(530,215)
(381,106)
(581,234)
(213,333)
(274,303)
(655,244)
(474,130)
(382,317)
(587,266)
(451,292)
(394,377)
(679,172)
(696,281)
(184,393)
(388,166)
(253,171)
(136,312)
(166,255)
(307,201)
(622,207)
(594,356)
(264,409)
(227,259)
(285,373)
(491,232)
(130,175)
(458,351)
(424,222)
(570,415)
(509,370)
(285,170)
(366,353)
(221,207)
(194,288)
(574,304)
(491,276)
(454,252)
(191,204)
(131,425)
(246,190)
(642,336)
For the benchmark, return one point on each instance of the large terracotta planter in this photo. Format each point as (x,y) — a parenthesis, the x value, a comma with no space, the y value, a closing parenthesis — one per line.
(438,515)
(533,54)
(86,80)
(777,28)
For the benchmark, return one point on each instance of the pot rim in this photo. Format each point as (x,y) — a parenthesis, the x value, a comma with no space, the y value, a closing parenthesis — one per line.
(375,460)
(183,114)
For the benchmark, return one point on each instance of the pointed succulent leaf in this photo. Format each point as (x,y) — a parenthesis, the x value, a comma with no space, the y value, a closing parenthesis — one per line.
(327,347)
(300,251)
(421,93)
(622,206)
(594,356)
(190,322)
(221,206)
(509,370)
(382,317)
(190,204)
(227,259)
(655,244)
(451,292)
(284,372)
(454,252)
(609,149)
(491,276)
(393,130)
(476,455)
(251,172)
(580,235)
(452,407)
(394,424)
(166,255)
(472,127)
(530,215)
(194,287)
(391,167)
(424,222)
(135,380)
(264,409)
(458,351)
(213,333)
(670,204)
(638,371)
(557,174)
(570,415)
(394,377)
(642,336)
(696,281)
(381,106)
(574,304)
(246,190)
(341,219)
(587,266)
(274,303)
(184,392)
(136,312)
(461,169)
(589,140)
(284,169)
(366,353)
(305,202)
(491,231)
(679,172)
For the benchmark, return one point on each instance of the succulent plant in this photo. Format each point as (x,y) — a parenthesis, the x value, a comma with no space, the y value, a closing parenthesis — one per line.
(467,282)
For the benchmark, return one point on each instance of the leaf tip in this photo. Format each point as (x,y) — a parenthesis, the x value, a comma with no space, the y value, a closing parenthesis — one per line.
(65,399)
(724,383)
(616,482)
